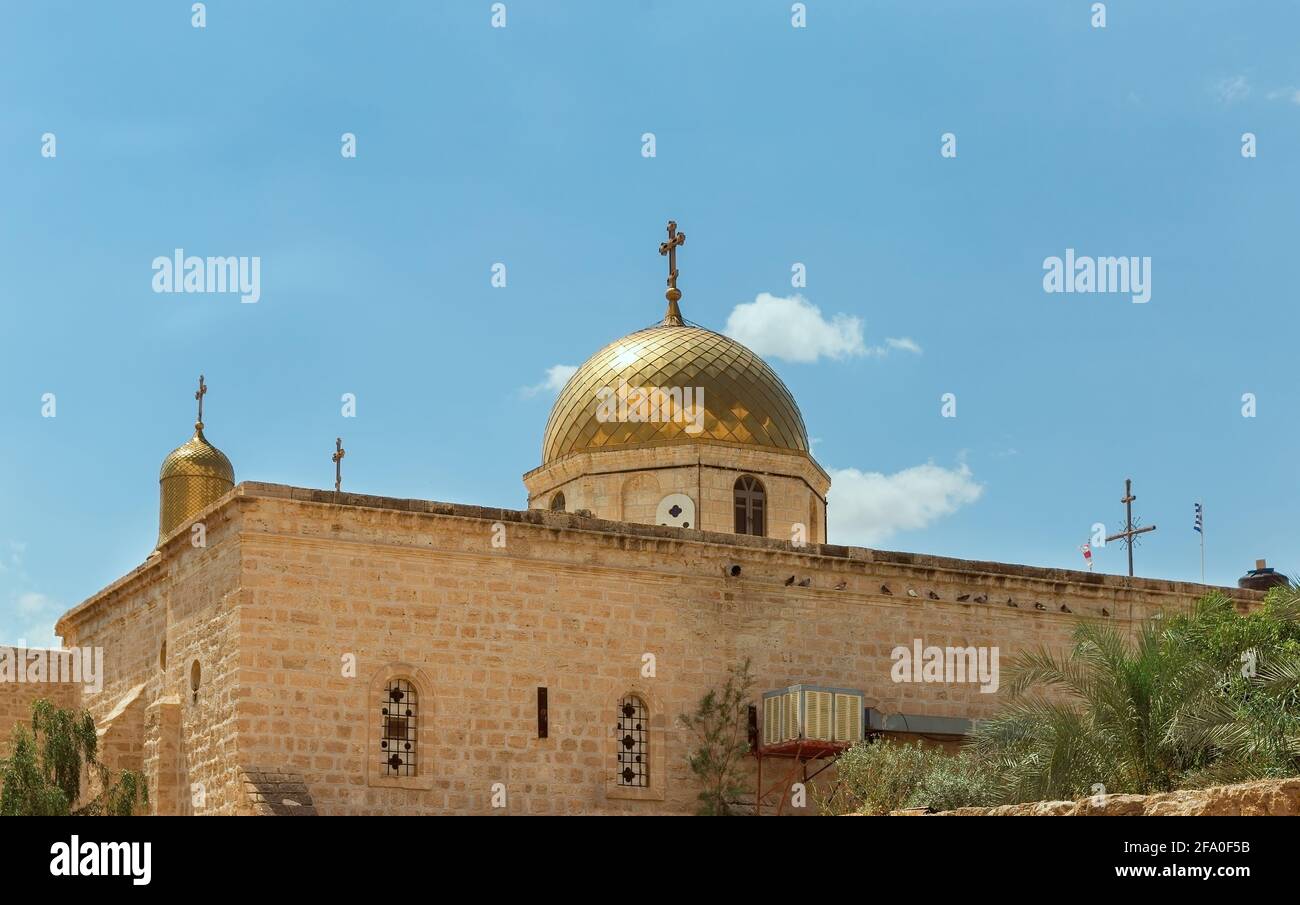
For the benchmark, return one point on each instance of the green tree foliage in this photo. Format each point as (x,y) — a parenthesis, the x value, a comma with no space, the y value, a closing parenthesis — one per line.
(42,776)
(1249,727)
(1204,698)
(720,726)
(1179,706)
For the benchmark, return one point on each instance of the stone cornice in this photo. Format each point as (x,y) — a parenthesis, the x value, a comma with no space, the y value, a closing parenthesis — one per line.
(824,558)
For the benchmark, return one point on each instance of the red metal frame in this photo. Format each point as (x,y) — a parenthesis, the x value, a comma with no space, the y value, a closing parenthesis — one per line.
(799,752)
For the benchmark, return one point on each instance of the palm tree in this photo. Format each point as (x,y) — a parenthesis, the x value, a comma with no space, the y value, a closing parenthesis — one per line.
(1103,717)
(1173,708)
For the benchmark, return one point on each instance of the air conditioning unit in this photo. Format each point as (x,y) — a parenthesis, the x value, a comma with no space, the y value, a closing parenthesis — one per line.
(812,713)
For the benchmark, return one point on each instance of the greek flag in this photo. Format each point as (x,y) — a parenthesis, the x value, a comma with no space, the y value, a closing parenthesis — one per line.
(1200,524)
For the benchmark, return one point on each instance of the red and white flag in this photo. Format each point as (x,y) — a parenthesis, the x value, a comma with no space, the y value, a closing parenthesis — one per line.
(1086,550)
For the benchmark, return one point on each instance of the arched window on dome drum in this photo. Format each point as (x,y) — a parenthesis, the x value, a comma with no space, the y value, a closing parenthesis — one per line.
(557,503)
(399,711)
(751,503)
(633,735)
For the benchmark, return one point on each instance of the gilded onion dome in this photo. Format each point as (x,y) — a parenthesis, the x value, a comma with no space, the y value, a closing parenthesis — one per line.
(744,401)
(193,476)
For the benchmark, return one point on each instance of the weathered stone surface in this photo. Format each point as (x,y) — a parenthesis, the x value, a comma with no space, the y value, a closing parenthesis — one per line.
(1264,798)
(300,602)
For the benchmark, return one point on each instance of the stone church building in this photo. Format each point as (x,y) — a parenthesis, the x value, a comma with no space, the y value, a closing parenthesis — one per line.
(288,650)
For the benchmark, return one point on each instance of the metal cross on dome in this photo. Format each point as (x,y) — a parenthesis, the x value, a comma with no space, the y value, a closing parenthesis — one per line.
(669,248)
(203,391)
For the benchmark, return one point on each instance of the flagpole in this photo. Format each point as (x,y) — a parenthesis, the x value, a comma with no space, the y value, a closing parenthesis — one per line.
(1202,533)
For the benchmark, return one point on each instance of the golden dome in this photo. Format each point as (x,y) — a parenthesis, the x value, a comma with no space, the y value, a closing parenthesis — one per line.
(193,476)
(744,401)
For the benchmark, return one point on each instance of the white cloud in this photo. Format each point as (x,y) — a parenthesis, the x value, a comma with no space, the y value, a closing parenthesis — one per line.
(1291,94)
(794,329)
(556,377)
(867,508)
(32,602)
(903,344)
(1232,89)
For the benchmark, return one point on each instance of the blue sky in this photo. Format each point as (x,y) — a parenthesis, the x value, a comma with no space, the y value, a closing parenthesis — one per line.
(774,145)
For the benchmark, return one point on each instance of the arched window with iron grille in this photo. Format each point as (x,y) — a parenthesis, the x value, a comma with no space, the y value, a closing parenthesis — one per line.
(633,735)
(751,505)
(399,713)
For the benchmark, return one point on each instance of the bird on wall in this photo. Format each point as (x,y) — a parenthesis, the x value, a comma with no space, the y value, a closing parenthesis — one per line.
(912,593)
(983,598)
(1039,606)
(1066,609)
(964,597)
(1105,612)
(789,581)
(884,589)
(934,596)
(805,583)
(841,586)
(1011,602)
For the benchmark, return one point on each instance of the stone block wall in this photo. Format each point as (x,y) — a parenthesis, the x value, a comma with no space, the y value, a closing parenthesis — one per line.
(338,598)
(304,608)
(167,623)
(16,696)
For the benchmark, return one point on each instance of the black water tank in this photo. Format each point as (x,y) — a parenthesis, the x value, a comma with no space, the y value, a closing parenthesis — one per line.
(1261,578)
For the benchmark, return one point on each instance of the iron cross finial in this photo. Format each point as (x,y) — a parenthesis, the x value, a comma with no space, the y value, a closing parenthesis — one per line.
(337,459)
(669,248)
(203,391)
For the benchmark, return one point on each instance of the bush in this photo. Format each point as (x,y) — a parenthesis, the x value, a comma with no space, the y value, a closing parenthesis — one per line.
(956,781)
(878,777)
